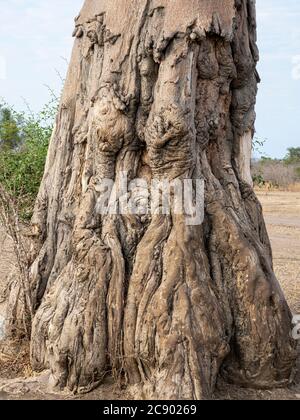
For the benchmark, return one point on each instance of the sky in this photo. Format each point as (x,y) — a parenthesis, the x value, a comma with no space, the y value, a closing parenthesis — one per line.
(36,42)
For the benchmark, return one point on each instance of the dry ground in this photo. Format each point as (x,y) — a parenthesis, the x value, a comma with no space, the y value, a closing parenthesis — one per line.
(282,214)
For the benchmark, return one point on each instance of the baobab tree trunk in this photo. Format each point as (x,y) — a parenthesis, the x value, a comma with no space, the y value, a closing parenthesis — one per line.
(158,89)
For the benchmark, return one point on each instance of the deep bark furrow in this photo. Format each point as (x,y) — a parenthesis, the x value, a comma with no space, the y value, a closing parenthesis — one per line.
(157,89)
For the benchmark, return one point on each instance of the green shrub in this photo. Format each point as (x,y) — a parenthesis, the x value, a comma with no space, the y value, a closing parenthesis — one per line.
(293,156)
(23,152)
(258,180)
(10,136)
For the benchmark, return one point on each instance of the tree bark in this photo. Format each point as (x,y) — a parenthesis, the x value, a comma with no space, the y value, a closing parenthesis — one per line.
(160,89)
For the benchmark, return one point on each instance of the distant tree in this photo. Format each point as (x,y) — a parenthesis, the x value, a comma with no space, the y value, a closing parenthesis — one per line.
(266,159)
(10,135)
(293,155)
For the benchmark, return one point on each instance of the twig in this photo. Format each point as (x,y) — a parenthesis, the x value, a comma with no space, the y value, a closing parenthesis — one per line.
(9,218)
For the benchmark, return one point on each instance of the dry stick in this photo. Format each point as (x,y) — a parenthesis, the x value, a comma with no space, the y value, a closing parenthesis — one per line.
(10,220)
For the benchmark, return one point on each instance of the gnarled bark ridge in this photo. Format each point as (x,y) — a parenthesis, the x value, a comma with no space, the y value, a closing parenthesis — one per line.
(160,89)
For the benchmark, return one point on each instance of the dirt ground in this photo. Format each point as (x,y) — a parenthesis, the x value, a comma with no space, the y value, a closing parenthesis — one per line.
(282,214)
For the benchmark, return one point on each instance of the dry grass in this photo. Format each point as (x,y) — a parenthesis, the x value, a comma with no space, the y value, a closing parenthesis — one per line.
(269,187)
(276,173)
(294,187)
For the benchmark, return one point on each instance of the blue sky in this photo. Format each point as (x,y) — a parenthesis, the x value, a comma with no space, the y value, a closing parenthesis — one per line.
(35,42)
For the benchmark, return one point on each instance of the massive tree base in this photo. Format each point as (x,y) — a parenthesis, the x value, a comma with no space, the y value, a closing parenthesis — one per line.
(158,89)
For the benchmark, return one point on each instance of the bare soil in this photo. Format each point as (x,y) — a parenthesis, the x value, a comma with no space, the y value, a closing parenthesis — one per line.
(282,215)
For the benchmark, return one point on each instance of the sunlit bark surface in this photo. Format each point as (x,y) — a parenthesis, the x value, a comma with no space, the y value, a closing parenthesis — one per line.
(160,89)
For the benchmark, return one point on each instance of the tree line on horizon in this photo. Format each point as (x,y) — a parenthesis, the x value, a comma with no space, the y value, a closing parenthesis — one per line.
(278,173)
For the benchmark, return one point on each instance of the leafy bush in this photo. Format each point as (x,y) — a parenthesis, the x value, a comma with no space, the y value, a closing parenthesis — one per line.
(24,140)
(10,136)
(258,179)
(293,156)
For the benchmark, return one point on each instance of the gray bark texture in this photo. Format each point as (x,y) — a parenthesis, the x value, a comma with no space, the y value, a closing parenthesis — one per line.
(160,89)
